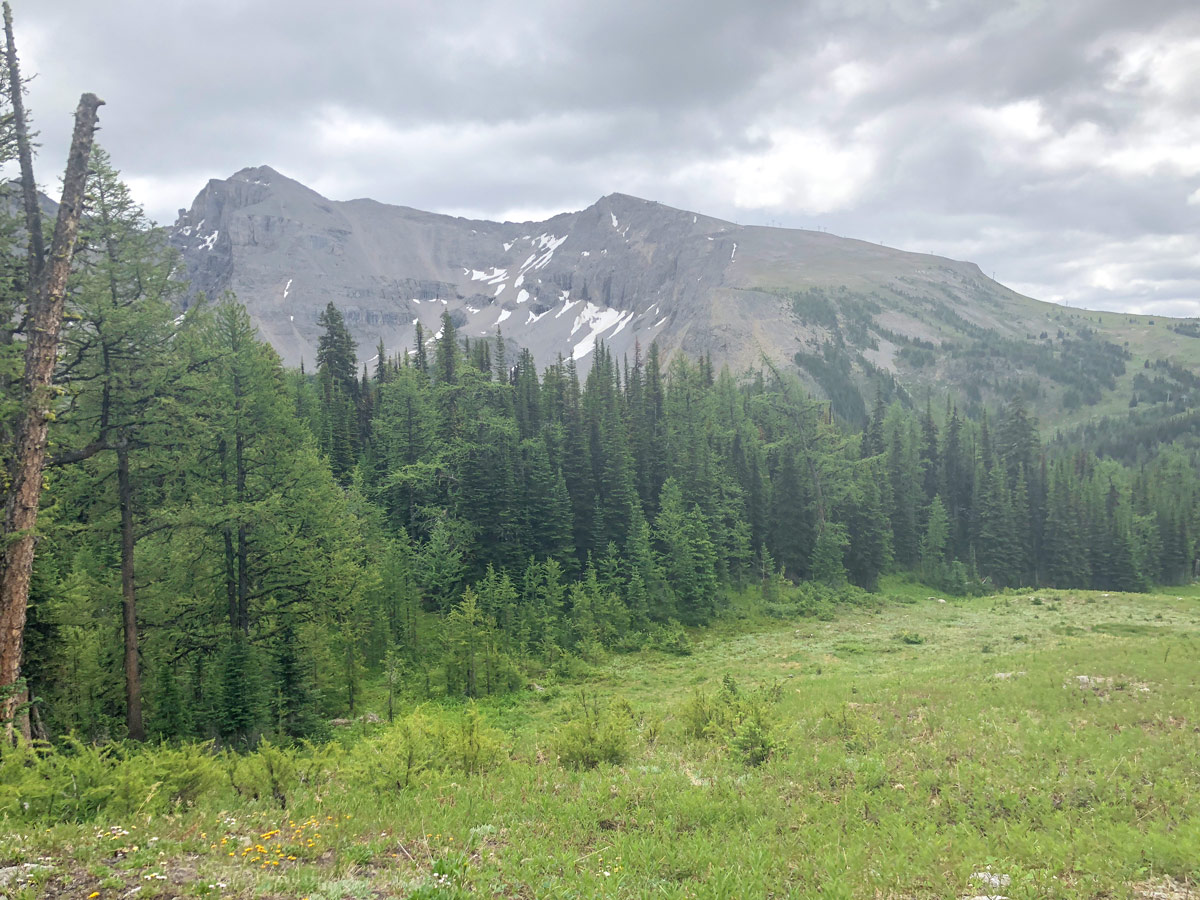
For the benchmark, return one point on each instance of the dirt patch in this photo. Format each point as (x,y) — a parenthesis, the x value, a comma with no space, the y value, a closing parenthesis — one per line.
(1170,723)
(1165,889)
(19,876)
(1102,686)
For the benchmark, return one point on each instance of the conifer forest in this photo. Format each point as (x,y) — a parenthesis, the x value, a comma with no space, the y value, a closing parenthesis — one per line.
(264,541)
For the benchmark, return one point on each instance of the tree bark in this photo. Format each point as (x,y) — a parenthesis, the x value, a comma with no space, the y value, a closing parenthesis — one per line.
(133,678)
(33,213)
(41,352)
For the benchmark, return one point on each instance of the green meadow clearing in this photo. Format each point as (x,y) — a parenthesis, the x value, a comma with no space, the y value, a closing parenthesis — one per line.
(1027,745)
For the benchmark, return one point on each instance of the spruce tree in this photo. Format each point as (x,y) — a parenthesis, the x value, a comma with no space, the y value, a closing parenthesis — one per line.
(935,541)
(829,553)
(336,352)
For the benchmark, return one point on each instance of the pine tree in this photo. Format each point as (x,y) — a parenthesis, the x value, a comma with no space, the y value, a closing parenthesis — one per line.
(688,557)
(336,352)
(577,464)
(421,360)
(829,553)
(383,370)
(295,712)
(997,545)
(646,567)
(239,710)
(870,550)
(447,352)
(262,531)
(935,541)
(441,564)
(930,460)
(904,487)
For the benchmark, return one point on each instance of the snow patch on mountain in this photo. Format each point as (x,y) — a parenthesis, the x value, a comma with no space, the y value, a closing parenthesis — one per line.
(550,241)
(625,319)
(491,277)
(598,320)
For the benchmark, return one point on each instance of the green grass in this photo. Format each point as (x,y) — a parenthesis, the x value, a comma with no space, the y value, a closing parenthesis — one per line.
(914,746)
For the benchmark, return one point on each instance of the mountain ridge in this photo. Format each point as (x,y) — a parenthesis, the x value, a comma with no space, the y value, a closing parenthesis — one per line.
(631,271)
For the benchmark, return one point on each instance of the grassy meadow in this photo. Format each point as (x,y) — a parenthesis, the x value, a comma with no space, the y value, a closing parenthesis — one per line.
(1027,745)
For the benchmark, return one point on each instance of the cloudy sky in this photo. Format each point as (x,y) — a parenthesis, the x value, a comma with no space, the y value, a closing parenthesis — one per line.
(1054,142)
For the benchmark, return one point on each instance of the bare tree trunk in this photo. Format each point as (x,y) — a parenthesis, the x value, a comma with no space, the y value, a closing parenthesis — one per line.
(133,679)
(33,213)
(41,352)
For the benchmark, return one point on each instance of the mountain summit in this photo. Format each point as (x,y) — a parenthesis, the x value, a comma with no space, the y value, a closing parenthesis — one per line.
(630,271)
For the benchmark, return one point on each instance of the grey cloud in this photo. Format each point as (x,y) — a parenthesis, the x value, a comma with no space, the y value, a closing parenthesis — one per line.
(546,105)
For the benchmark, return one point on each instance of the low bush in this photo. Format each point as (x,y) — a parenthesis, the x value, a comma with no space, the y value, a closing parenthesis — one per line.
(595,734)
(744,722)
(671,638)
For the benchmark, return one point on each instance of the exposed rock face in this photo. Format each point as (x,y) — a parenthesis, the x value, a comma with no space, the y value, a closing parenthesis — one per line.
(623,270)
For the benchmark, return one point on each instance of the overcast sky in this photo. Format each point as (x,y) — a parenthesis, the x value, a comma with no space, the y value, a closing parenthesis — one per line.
(1054,142)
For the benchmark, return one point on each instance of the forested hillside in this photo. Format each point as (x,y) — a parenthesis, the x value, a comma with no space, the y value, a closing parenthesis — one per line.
(231,549)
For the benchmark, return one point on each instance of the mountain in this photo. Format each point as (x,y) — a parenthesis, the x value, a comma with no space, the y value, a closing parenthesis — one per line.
(855,317)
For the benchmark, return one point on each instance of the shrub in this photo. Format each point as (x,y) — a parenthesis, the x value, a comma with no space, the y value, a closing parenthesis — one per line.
(744,721)
(753,740)
(596,734)
(671,638)
(459,741)
(76,781)
(268,771)
(391,761)
(472,743)
(186,772)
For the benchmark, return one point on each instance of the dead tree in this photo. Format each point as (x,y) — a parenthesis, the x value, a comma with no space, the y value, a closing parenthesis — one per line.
(36,257)
(46,292)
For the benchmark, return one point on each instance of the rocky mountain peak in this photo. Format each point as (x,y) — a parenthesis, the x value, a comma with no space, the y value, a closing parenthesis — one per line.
(623,271)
